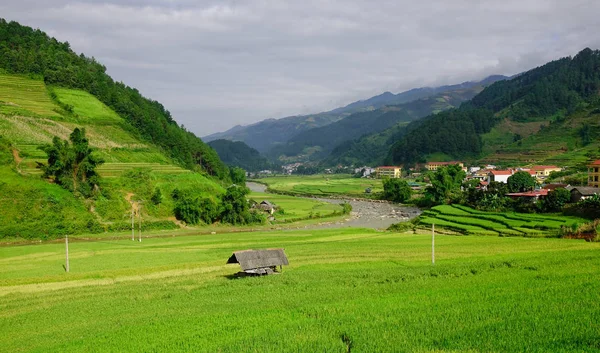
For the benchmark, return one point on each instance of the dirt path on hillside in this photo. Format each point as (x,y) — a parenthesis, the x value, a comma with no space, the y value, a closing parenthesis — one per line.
(17,158)
(134,204)
(365,213)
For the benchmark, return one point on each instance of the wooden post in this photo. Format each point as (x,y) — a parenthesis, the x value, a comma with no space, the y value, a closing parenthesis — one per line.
(67,253)
(132,224)
(140,219)
(433,243)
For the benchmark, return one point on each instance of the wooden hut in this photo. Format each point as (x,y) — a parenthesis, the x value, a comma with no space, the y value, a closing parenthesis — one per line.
(267,206)
(259,262)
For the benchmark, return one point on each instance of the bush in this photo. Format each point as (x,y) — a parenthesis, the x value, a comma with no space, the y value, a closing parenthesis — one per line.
(396,190)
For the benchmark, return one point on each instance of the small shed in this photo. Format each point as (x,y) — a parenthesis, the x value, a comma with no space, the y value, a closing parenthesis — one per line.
(583,192)
(267,206)
(259,262)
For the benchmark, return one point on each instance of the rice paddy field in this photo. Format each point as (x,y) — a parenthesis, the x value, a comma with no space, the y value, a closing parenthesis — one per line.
(469,221)
(350,290)
(21,94)
(323,185)
(295,208)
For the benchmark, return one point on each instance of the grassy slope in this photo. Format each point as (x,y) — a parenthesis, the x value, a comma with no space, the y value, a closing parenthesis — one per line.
(373,291)
(29,118)
(323,185)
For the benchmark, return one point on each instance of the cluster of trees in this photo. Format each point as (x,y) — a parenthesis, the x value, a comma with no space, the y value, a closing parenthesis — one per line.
(232,207)
(72,164)
(494,197)
(454,132)
(27,51)
(396,190)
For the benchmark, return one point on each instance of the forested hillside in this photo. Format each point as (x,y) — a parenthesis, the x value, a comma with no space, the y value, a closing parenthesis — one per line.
(364,138)
(27,51)
(239,154)
(552,93)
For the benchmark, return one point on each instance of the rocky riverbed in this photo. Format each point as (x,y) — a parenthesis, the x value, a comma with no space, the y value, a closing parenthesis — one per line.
(365,213)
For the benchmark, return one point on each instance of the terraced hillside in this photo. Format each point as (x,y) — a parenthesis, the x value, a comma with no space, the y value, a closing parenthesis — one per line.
(20,95)
(31,119)
(468,221)
(31,114)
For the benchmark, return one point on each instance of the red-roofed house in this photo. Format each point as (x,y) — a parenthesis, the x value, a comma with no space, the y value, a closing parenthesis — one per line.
(500,176)
(530,195)
(545,170)
(594,174)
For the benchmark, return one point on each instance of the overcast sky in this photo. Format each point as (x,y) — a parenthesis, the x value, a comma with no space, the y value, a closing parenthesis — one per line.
(215,64)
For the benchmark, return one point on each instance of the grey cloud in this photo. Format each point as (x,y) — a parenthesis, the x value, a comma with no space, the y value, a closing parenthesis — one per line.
(215,64)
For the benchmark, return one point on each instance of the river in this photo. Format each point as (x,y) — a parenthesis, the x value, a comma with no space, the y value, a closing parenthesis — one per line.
(365,214)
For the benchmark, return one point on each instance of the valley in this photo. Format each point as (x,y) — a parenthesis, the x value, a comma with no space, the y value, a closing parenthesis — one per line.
(454,218)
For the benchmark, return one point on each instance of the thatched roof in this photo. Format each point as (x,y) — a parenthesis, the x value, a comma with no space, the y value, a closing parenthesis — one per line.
(253,259)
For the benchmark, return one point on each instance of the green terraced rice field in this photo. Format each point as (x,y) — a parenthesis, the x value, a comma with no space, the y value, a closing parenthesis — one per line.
(345,290)
(87,107)
(323,185)
(19,94)
(466,220)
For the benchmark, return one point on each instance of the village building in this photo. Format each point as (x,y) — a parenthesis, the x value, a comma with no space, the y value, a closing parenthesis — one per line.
(388,172)
(579,193)
(481,174)
(501,176)
(542,171)
(365,171)
(259,262)
(552,187)
(433,166)
(529,195)
(594,174)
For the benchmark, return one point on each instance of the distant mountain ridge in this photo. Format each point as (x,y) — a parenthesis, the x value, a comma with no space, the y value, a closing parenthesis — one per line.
(266,134)
(539,115)
(322,140)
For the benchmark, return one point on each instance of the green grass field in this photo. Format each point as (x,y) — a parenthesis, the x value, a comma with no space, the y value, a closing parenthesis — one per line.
(297,208)
(468,221)
(323,185)
(345,290)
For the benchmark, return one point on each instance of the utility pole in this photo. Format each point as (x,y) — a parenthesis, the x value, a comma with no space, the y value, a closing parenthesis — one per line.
(67,253)
(132,224)
(433,243)
(140,218)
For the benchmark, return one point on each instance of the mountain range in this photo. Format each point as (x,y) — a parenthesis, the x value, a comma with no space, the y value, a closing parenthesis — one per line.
(290,136)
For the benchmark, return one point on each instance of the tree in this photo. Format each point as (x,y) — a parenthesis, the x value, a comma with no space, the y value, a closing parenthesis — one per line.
(235,208)
(520,182)
(156,197)
(556,200)
(445,184)
(396,190)
(72,165)
(238,175)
